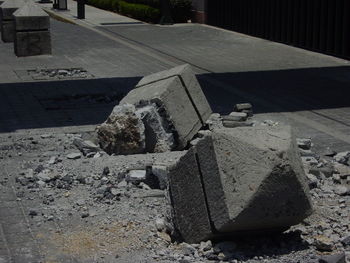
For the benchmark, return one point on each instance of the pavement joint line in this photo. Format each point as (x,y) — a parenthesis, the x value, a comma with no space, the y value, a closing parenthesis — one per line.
(6,243)
(20,205)
(316,125)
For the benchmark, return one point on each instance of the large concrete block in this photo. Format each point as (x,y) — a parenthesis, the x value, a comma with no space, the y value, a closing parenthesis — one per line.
(30,17)
(173,101)
(191,217)
(32,43)
(7,24)
(7,31)
(189,83)
(253,179)
(9,7)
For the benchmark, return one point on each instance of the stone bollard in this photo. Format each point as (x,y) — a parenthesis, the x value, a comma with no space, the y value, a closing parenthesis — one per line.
(242,180)
(7,24)
(1,2)
(32,36)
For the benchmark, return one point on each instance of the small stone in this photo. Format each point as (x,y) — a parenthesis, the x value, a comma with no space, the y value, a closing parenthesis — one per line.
(160,224)
(341,190)
(336,178)
(312,180)
(33,212)
(46,136)
(304,144)
(323,243)
(136,175)
(342,170)
(329,152)
(85,214)
(52,160)
(243,106)
(236,116)
(342,157)
(309,160)
(205,246)
(187,249)
(105,171)
(74,156)
(346,241)
(225,247)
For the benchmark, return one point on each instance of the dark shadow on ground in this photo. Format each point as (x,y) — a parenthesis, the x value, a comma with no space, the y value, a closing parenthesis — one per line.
(249,247)
(44,104)
(88,102)
(280,91)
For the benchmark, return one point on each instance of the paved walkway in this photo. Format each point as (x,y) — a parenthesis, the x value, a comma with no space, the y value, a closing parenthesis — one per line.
(308,90)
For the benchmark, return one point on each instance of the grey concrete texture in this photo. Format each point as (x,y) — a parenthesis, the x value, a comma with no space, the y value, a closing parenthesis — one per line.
(123,132)
(184,110)
(9,7)
(189,82)
(32,43)
(7,31)
(191,218)
(31,17)
(253,179)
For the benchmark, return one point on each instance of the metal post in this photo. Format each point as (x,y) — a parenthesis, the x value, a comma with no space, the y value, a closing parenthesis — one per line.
(81,9)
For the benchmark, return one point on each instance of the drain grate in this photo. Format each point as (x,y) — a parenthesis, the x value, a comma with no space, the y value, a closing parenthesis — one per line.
(53,74)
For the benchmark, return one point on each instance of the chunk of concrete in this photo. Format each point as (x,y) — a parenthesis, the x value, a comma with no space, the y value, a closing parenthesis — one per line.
(31,17)
(191,217)
(159,137)
(253,179)
(32,43)
(189,83)
(179,97)
(123,132)
(7,31)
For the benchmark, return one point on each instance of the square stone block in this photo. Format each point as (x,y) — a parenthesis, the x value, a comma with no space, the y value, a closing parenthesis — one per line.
(7,31)
(32,43)
(9,7)
(189,83)
(30,17)
(191,217)
(169,95)
(253,179)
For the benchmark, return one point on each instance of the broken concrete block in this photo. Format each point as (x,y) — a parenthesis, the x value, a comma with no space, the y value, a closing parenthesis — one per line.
(190,212)
(253,179)
(123,132)
(32,36)
(7,22)
(189,83)
(179,100)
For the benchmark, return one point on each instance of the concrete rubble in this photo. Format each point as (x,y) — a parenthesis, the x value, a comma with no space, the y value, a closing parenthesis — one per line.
(235,177)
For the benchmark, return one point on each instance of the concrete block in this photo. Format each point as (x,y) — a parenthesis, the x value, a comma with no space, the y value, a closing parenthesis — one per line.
(32,43)
(30,17)
(189,83)
(191,217)
(174,103)
(9,7)
(7,31)
(253,179)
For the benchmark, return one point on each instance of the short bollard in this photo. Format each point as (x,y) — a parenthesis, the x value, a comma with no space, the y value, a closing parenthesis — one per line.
(32,36)
(7,24)
(81,9)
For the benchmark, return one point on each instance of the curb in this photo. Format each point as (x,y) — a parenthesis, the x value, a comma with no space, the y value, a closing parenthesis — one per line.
(58,17)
